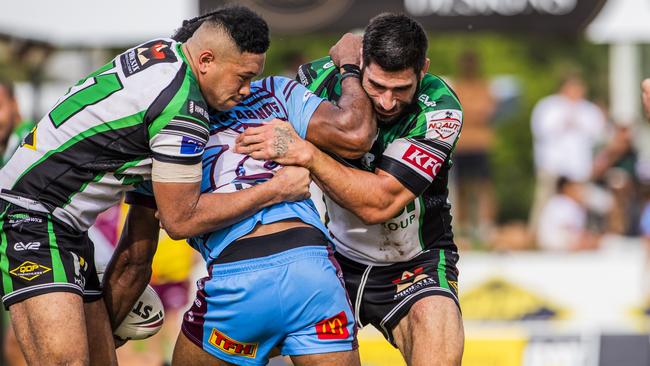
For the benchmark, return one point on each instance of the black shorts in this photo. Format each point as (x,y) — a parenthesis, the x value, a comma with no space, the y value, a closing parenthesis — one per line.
(39,254)
(388,292)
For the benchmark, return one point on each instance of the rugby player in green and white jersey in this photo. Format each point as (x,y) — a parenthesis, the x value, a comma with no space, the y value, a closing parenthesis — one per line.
(142,116)
(388,212)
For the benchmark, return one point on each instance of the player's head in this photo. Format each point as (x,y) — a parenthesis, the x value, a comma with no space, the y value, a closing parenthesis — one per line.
(394,61)
(8,109)
(573,86)
(227,49)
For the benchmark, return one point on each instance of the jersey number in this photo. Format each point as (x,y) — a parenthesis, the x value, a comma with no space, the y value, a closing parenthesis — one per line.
(102,88)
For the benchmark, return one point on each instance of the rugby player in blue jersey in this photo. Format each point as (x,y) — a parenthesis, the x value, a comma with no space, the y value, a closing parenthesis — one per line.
(272,283)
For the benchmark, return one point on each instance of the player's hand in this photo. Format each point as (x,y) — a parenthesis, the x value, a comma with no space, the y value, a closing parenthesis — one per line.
(277,141)
(645,87)
(347,50)
(292,183)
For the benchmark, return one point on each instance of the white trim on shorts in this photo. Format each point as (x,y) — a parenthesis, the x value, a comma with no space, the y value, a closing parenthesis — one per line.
(43,285)
(359,299)
(403,302)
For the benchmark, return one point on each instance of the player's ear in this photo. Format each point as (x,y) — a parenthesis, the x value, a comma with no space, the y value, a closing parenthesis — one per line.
(206,57)
(425,68)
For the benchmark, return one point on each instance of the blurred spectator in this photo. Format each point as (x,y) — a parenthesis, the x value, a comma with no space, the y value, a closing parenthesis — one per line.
(645,87)
(476,207)
(644,227)
(563,220)
(12,127)
(615,168)
(566,129)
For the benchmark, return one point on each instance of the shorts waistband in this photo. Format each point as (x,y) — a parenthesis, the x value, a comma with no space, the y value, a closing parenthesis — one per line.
(266,245)
(278,259)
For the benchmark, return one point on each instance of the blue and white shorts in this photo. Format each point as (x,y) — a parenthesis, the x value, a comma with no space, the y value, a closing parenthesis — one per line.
(294,300)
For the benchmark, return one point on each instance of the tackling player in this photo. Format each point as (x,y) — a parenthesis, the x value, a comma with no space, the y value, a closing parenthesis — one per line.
(141,116)
(388,212)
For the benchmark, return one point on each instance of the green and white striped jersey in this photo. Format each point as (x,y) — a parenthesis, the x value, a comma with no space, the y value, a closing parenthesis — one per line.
(101,136)
(416,150)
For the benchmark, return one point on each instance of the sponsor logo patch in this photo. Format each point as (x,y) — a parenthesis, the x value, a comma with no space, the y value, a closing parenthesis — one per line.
(231,346)
(334,327)
(411,282)
(426,101)
(32,245)
(443,124)
(306,75)
(23,218)
(198,109)
(30,140)
(190,146)
(425,161)
(29,270)
(149,54)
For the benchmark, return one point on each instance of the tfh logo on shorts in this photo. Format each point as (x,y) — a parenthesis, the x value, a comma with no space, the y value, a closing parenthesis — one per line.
(425,161)
(29,270)
(231,346)
(334,327)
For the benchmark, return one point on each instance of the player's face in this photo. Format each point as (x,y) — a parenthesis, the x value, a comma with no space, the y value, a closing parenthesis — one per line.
(230,79)
(390,91)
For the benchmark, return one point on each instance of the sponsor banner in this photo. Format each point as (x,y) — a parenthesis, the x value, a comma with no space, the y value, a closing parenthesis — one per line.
(290,17)
(575,290)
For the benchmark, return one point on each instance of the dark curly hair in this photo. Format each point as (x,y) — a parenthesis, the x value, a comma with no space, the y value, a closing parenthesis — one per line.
(249,31)
(395,42)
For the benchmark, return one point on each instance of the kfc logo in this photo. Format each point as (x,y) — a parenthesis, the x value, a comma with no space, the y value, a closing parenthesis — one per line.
(425,161)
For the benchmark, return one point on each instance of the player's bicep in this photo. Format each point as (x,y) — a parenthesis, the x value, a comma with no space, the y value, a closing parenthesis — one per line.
(397,192)
(301,103)
(330,130)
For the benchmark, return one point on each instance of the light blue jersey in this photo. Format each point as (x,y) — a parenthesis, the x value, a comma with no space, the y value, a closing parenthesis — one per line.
(226,171)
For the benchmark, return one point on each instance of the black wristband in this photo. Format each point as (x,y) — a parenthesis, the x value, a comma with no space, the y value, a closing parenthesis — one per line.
(348,74)
(351,68)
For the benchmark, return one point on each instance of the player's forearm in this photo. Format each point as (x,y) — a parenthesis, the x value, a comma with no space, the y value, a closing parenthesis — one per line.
(215,211)
(358,119)
(358,191)
(129,270)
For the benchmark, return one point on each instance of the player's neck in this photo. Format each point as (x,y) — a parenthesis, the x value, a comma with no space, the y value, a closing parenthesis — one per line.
(190,60)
